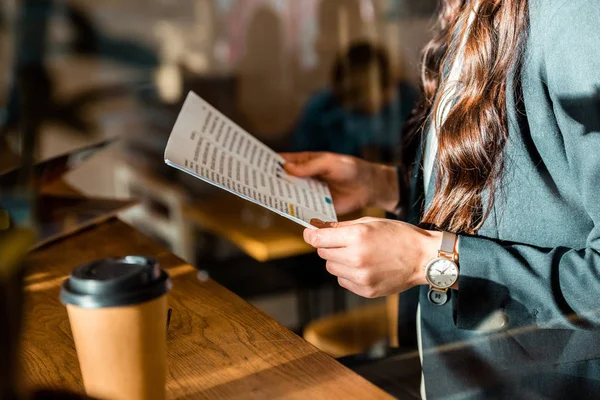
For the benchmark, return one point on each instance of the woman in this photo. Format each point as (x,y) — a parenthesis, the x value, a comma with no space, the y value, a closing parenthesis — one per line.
(510,163)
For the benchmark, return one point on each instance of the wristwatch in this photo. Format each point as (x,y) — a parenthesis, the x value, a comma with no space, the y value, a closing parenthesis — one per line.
(442,272)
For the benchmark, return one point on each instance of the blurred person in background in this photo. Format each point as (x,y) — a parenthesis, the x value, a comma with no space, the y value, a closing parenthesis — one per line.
(338,23)
(362,113)
(505,189)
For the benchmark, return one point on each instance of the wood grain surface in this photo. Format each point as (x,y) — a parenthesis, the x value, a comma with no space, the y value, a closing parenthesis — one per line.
(219,346)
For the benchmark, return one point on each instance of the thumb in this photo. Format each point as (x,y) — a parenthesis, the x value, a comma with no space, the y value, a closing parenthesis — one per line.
(364,220)
(322,224)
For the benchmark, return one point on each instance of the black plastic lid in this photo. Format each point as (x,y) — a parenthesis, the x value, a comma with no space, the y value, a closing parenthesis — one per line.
(115,282)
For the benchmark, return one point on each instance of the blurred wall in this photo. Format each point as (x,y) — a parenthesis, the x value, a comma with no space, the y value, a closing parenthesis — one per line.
(277,51)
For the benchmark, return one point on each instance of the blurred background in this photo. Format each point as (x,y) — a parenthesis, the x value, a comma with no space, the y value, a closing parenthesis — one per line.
(333,75)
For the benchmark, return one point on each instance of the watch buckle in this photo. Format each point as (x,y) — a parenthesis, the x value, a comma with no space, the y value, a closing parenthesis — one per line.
(444,254)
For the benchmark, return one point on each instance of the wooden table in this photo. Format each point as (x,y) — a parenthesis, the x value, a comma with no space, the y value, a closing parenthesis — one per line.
(219,346)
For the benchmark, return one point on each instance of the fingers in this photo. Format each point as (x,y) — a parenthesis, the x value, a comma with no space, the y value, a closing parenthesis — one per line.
(329,237)
(368,292)
(342,255)
(352,277)
(339,234)
(339,270)
(307,164)
(348,284)
(300,157)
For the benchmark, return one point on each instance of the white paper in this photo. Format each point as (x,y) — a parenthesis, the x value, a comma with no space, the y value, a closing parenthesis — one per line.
(208,145)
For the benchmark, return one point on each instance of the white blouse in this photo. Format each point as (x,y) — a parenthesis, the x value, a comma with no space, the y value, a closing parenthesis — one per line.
(431,149)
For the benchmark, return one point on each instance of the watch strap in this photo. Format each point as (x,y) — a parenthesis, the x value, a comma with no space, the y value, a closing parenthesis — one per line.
(448,241)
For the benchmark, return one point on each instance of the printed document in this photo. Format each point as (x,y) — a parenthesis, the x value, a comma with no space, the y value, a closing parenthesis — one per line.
(206,144)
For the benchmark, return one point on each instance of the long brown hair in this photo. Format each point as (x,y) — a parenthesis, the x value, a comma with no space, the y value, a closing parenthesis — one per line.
(473,135)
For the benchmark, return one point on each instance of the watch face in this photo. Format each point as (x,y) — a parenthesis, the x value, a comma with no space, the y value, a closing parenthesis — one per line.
(441,273)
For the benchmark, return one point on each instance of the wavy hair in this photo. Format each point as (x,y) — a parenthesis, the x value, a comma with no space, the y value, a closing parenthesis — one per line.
(473,135)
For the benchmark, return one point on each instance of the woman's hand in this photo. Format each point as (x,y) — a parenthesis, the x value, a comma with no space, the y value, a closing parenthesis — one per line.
(374,257)
(354,183)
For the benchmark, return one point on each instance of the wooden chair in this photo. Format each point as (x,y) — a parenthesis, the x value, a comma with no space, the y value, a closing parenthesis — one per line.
(357,330)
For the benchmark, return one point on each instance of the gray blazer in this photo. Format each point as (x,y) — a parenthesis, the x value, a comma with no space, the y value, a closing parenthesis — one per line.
(526,320)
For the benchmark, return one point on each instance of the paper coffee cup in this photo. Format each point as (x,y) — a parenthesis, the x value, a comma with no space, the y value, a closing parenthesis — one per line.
(118,314)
